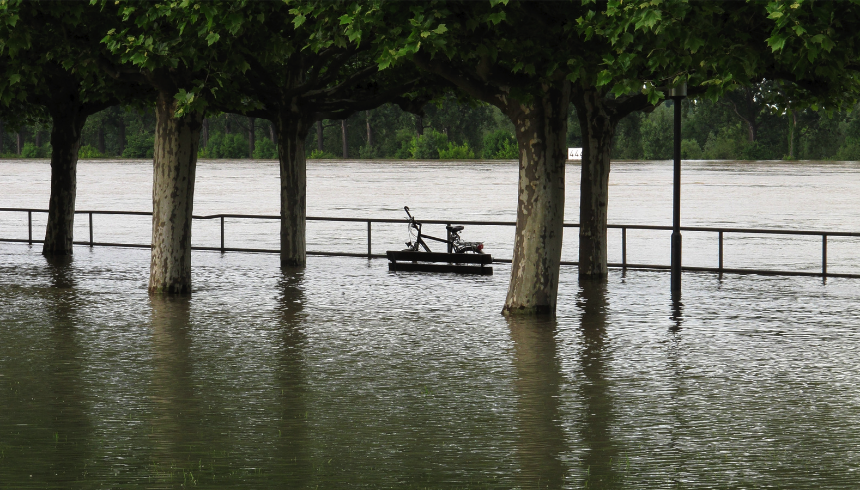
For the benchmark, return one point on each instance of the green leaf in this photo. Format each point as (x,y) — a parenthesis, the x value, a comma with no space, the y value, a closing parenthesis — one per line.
(603,78)
(212,38)
(777,41)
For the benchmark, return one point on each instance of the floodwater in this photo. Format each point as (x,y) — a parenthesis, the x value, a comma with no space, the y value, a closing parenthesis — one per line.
(346,375)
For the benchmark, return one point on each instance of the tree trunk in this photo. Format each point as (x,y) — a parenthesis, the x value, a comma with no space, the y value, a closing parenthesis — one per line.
(419,125)
(369,130)
(204,136)
(252,133)
(2,133)
(228,124)
(291,154)
(20,138)
(39,138)
(541,129)
(174,165)
(272,133)
(120,124)
(320,136)
(68,123)
(100,138)
(792,125)
(597,128)
(344,134)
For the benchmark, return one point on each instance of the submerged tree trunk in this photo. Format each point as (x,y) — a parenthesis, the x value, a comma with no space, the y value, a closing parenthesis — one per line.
(597,127)
(291,135)
(174,165)
(68,123)
(541,129)
(344,134)
(252,133)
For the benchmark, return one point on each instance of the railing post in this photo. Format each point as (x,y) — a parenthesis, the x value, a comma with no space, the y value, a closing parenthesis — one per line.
(624,248)
(721,252)
(824,255)
(448,237)
(368,240)
(30,227)
(91,229)
(222,234)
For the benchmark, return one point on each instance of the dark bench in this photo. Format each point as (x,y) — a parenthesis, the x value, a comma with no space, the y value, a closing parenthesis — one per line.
(429,262)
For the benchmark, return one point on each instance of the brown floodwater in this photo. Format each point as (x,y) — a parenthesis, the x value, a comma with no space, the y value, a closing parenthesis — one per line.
(345,375)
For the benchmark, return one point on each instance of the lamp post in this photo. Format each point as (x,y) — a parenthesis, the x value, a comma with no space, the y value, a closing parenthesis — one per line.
(677,94)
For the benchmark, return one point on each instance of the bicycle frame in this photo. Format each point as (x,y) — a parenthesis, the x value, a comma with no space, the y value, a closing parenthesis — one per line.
(454,242)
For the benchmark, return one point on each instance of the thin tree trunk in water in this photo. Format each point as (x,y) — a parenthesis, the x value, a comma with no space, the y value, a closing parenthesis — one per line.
(597,128)
(344,138)
(369,130)
(291,154)
(68,124)
(252,133)
(174,166)
(541,129)
(320,136)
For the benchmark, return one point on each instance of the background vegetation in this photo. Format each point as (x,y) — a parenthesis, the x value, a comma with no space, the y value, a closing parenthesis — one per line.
(712,130)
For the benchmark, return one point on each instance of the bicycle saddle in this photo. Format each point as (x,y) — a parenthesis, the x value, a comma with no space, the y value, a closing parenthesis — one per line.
(454,228)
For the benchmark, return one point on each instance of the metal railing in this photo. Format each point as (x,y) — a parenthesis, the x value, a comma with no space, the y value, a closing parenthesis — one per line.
(624,264)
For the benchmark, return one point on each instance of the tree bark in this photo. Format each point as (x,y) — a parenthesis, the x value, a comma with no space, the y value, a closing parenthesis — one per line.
(344,134)
(100,138)
(291,136)
(598,128)
(369,130)
(2,134)
(39,138)
(252,133)
(204,136)
(68,123)
(792,125)
(419,125)
(20,139)
(174,166)
(320,136)
(228,124)
(120,124)
(541,129)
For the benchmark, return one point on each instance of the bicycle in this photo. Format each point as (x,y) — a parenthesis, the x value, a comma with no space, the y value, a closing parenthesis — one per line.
(454,241)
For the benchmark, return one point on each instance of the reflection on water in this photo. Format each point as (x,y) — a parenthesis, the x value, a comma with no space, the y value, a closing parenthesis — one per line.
(346,375)
(538,384)
(293,439)
(601,456)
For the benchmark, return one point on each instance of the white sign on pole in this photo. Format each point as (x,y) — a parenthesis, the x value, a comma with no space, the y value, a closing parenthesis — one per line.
(574,153)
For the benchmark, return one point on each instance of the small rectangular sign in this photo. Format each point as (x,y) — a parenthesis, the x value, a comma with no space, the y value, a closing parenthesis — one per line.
(574,153)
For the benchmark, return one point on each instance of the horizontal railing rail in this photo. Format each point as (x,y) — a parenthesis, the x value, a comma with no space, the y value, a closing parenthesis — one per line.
(624,264)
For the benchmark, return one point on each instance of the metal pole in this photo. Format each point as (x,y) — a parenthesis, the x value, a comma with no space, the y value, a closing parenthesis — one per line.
(824,255)
(368,239)
(624,248)
(721,251)
(677,94)
(30,227)
(448,236)
(222,234)
(91,229)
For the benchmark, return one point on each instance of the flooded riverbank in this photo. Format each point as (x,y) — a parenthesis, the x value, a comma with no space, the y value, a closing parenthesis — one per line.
(343,374)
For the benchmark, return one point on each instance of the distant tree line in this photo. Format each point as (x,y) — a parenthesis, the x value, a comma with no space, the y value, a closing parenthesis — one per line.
(738,126)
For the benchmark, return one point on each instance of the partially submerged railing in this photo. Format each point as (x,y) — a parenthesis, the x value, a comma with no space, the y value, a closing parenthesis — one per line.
(624,264)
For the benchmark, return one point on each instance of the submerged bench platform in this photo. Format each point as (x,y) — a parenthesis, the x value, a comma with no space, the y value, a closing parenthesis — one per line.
(430,262)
